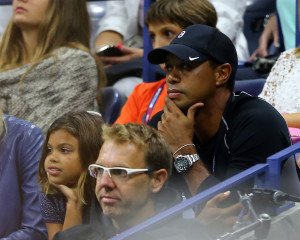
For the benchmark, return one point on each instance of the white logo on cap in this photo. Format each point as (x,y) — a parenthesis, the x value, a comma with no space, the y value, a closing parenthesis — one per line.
(181,34)
(193,58)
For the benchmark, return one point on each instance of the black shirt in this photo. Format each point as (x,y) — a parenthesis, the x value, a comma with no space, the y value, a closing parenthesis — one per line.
(250,131)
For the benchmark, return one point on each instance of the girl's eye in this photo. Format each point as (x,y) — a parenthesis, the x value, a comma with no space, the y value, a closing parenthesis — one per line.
(49,150)
(65,150)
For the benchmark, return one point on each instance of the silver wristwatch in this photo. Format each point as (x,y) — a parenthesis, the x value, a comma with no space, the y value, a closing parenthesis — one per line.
(183,162)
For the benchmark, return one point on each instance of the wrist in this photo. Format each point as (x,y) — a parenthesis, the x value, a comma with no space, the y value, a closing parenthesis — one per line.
(185,149)
(74,204)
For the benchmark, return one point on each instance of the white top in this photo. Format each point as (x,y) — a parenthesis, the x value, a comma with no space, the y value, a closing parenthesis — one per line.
(5,15)
(122,17)
(282,87)
(231,22)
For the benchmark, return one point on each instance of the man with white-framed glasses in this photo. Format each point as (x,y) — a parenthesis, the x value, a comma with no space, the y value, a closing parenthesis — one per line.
(131,172)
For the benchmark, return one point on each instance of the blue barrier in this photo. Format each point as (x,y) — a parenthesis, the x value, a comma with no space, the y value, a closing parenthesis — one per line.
(266,176)
(275,161)
(254,171)
(5,2)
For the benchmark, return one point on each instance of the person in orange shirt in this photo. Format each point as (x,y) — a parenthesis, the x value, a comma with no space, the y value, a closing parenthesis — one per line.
(165,19)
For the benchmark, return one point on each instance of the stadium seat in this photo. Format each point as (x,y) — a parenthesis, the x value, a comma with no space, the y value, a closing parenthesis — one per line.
(112,104)
(251,86)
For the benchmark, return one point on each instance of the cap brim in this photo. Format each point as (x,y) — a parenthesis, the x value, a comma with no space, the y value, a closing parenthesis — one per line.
(184,53)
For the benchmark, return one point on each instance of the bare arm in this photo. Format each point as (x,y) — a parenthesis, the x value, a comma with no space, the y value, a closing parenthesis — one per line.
(73,215)
(52,229)
(270,33)
(218,219)
(178,130)
(292,119)
(108,37)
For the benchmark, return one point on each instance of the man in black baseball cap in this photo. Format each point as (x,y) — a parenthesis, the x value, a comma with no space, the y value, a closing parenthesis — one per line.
(197,44)
(213,132)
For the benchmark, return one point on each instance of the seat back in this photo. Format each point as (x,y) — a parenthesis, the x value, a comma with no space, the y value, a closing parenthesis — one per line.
(251,86)
(112,102)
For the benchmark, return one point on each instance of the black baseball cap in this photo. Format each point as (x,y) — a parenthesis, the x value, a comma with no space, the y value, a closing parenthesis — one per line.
(198,43)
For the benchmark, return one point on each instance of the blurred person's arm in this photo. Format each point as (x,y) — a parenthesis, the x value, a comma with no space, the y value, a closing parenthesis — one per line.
(108,37)
(292,119)
(219,219)
(269,34)
(113,27)
(130,53)
(29,151)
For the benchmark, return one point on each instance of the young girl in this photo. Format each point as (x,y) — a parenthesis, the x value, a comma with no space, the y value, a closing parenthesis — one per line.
(72,143)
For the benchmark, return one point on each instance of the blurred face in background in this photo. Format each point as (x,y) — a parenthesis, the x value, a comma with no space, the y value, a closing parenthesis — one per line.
(162,33)
(29,14)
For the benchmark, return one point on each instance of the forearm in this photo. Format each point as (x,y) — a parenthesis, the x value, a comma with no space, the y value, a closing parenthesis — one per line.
(108,37)
(292,119)
(73,215)
(26,234)
(195,176)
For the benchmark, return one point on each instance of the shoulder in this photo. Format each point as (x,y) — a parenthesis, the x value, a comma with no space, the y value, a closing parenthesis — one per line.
(288,54)
(16,126)
(79,232)
(53,207)
(148,89)
(255,110)
(73,53)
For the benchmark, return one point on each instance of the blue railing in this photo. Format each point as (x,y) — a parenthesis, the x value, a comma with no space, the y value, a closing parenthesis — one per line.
(265,175)
(5,2)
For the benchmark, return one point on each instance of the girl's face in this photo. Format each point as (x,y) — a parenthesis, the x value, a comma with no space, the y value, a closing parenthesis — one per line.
(62,163)
(29,13)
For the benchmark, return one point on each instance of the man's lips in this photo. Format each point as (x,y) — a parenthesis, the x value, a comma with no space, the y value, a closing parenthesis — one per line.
(173,93)
(108,200)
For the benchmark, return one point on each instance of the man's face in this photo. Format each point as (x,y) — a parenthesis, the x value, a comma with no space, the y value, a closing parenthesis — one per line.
(124,199)
(189,83)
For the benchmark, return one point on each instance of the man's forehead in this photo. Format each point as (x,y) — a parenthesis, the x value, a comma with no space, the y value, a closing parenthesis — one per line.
(120,154)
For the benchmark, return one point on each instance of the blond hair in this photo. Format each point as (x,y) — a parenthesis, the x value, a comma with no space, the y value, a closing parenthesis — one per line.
(147,139)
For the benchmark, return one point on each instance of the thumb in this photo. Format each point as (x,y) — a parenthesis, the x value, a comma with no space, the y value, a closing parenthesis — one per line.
(218,198)
(192,110)
(276,40)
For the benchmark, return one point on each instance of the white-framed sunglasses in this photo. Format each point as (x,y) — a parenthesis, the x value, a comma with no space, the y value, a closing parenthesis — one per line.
(116,173)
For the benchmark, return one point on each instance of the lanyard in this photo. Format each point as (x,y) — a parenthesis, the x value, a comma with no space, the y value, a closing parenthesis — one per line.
(152,103)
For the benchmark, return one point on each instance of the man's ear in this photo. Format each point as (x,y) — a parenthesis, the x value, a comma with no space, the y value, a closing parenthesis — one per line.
(158,179)
(223,73)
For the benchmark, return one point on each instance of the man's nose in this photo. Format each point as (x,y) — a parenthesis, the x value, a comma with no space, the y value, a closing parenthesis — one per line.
(105,180)
(173,76)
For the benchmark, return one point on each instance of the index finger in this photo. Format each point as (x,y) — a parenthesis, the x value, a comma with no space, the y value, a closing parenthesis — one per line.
(171,107)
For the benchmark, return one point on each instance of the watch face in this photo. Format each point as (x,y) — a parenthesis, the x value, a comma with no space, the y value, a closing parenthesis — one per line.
(182,164)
